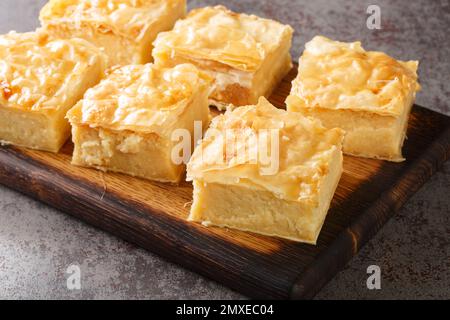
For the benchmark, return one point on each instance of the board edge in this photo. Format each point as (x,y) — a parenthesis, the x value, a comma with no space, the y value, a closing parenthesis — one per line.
(316,275)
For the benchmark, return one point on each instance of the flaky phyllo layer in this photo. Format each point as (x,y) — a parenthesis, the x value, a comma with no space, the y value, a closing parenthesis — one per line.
(141,98)
(337,75)
(128,18)
(38,74)
(217,34)
(304,149)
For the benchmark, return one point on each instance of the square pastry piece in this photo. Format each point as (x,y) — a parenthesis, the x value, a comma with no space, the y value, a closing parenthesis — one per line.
(368,94)
(40,80)
(266,170)
(124,28)
(246,55)
(125,123)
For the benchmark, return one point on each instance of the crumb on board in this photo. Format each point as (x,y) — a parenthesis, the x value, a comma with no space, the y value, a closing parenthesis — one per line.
(102,175)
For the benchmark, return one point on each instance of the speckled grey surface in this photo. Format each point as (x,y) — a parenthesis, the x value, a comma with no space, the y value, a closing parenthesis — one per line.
(37,243)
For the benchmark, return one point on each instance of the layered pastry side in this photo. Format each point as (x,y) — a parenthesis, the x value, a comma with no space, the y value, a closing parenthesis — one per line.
(126,123)
(246,55)
(40,80)
(368,94)
(266,170)
(124,28)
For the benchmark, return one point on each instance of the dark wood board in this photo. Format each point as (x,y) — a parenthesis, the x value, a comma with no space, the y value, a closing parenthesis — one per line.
(152,215)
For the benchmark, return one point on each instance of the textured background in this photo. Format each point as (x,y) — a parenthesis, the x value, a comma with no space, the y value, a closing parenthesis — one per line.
(38,243)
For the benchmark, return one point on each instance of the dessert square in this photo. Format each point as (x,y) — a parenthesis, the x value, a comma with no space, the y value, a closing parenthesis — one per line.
(125,123)
(368,94)
(40,80)
(246,55)
(124,28)
(266,170)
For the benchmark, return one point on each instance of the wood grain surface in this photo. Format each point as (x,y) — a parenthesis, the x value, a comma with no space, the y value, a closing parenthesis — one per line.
(152,215)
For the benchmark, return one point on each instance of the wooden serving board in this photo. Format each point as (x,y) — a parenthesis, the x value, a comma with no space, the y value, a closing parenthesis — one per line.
(152,215)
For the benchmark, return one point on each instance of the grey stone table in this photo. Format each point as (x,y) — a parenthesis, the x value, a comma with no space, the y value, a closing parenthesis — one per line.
(38,243)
